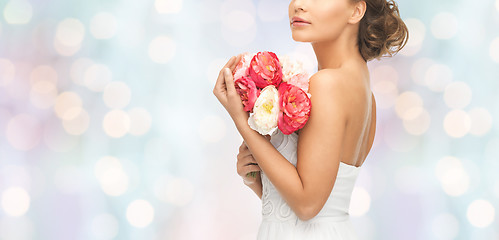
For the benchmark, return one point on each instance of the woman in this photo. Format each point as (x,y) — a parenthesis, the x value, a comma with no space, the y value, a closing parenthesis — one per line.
(306,178)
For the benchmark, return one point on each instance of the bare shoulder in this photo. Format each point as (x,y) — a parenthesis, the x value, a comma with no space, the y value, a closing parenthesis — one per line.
(330,93)
(334,83)
(331,76)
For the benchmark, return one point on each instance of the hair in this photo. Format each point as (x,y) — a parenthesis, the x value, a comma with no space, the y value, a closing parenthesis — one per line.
(381,31)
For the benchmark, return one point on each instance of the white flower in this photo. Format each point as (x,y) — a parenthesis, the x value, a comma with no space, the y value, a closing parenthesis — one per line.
(265,112)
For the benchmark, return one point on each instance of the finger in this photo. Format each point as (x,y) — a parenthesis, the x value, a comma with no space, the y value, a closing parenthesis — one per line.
(220,83)
(229,80)
(247,160)
(227,76)
(230,62)
(248,180)
(240,167)
(242,147)
(250,163)
(245,151)
(251,168)
(246,147)
(236,61)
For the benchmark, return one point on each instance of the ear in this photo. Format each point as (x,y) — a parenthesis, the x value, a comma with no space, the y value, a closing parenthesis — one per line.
(359,9)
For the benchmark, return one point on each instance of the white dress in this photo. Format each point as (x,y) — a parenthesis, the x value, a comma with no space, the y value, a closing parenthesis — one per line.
(280,222)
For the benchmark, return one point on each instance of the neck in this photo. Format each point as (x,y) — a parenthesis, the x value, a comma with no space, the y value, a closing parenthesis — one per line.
(334,53)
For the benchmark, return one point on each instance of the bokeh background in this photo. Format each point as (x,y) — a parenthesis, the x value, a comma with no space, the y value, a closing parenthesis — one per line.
(110,130)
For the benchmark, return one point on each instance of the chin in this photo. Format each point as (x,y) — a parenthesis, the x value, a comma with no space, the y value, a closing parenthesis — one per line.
(300,37)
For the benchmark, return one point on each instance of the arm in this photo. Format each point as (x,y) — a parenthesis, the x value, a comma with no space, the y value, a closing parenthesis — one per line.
(307,186)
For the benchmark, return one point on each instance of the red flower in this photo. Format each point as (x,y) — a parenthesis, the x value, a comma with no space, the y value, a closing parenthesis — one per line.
(265,69)
(248,92)
(294,106)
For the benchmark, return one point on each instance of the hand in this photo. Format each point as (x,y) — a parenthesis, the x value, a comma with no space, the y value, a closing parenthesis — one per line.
(247,164)
(226,93)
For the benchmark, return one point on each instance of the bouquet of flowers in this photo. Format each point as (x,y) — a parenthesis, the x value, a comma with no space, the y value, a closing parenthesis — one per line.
(275,92)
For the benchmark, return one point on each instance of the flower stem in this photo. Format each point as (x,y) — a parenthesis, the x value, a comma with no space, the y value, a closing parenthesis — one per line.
(252,174)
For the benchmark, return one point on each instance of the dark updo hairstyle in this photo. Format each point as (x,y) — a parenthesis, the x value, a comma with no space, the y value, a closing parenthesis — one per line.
(381,30)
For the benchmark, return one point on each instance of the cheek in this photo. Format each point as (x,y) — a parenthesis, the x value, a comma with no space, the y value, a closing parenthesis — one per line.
(291,10)
(331,20)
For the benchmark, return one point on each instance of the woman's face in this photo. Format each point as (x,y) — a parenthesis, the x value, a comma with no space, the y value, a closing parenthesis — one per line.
(327,18)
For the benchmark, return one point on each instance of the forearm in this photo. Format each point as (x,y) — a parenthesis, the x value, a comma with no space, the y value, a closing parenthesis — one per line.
(283,175)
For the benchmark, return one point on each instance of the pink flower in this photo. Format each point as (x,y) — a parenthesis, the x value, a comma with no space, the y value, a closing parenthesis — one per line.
(300,80)
(294,106)
(265,69)
(293,72)
(242,68)
(248,92)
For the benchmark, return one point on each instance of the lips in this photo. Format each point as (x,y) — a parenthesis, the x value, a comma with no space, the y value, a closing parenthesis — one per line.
(298,19)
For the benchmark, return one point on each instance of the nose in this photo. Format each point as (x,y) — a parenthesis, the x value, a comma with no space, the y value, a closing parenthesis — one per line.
(298,4)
